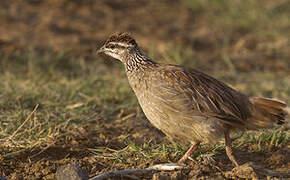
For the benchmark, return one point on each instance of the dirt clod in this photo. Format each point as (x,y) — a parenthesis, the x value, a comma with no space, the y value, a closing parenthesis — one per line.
(245,171)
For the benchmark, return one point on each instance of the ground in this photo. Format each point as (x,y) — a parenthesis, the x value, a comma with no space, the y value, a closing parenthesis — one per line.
(61,103)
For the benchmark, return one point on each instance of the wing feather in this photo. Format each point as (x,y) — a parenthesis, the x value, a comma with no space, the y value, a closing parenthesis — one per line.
(188,91)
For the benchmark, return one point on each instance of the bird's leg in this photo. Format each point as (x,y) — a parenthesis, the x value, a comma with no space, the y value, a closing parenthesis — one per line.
(229,150)
(188,152)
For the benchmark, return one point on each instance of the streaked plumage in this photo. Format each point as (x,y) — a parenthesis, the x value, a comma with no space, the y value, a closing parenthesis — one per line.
(188,105)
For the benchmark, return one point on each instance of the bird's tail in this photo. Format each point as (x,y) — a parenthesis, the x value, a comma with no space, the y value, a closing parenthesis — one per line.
(267,113)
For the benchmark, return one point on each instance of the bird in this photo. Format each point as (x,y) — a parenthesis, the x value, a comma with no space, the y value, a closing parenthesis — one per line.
(188,105)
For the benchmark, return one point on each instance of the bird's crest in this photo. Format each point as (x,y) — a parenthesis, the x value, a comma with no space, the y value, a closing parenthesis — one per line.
(122,38)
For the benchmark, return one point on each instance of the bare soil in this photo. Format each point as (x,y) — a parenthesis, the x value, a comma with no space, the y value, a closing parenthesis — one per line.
(42,164)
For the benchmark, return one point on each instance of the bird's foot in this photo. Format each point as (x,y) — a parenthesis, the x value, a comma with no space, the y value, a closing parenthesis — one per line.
(250,170)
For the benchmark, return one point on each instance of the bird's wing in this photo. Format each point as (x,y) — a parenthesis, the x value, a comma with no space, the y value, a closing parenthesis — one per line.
(190,92)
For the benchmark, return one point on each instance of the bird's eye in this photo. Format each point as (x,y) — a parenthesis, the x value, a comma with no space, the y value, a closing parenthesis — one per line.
(112,46)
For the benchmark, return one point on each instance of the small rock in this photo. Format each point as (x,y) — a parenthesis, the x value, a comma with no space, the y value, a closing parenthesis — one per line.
(2,177)
(71,172)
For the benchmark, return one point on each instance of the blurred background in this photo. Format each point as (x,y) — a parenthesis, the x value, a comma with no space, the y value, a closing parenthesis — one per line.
(250,34)
(57,95)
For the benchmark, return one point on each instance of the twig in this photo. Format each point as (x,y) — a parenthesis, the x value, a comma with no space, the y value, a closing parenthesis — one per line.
(28,117)
(158,167)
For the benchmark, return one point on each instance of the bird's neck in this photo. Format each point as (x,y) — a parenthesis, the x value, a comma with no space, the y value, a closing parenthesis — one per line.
(137,60)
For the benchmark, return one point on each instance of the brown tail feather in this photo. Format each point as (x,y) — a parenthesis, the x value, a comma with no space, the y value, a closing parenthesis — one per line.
(268,112)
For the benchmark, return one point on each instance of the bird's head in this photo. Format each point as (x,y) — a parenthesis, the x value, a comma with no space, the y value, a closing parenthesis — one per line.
(119,46)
